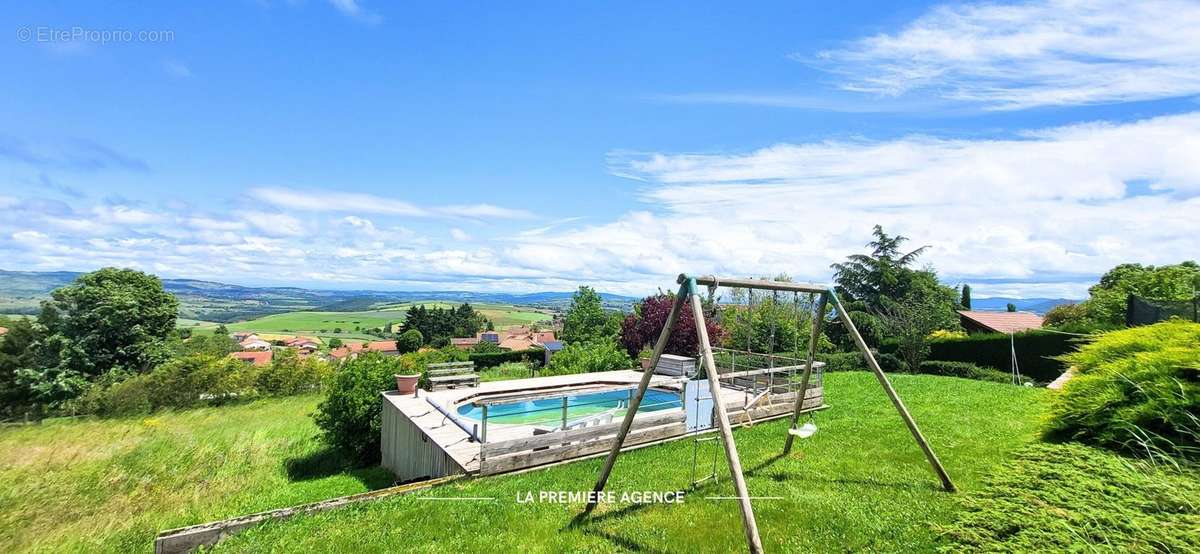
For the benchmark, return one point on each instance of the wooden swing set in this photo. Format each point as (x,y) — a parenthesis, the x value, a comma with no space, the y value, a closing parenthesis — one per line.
(689,291)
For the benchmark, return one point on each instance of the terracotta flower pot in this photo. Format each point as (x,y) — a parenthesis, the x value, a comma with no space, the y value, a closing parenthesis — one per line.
(645,363)
(407,384)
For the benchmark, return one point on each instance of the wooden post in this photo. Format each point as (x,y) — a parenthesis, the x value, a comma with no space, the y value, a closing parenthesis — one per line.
(731,454)
(818,318)
(636,402)
(947,484)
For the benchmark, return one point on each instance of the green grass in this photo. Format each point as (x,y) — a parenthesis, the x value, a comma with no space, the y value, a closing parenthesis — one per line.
(111,485)
(859,484)
(1070,497)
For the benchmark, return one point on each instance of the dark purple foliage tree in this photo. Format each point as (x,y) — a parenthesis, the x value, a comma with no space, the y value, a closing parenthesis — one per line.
(642,327)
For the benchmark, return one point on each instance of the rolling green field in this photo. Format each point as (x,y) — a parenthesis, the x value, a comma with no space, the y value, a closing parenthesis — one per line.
(859,484)
(354,324)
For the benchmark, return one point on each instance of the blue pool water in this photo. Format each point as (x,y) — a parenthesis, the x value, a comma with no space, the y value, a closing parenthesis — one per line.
(549,410)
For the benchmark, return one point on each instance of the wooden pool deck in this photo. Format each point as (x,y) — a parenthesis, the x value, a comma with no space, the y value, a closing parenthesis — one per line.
(420,441)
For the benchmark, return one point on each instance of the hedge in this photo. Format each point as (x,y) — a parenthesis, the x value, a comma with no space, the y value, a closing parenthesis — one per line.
(1036,351)
(493,359)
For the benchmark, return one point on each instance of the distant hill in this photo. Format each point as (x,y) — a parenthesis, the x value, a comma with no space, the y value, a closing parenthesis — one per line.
(22,291)
(1036,305)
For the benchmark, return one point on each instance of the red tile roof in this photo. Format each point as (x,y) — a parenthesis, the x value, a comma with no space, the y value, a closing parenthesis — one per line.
(1004,322)
(254,358)
(3,330)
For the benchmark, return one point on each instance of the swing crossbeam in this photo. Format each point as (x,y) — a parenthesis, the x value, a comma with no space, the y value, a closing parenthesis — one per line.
(689,291)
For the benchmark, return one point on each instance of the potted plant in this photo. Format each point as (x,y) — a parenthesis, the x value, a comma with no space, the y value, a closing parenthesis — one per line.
(407,384)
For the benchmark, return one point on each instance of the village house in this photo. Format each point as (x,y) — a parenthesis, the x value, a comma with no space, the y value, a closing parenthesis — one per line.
(999,322)
(385,347)
(3,330)
(306,345)
(254,358)
(252,342)
(513,338)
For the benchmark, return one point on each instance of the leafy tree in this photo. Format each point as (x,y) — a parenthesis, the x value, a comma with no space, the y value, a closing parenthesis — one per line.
(642,327)
(16,353)
(1107,299)
(910,322)
(215,345)
(586,319)
(1067,315)
(111,319)
(966,297)
(871,279)
(871,284)
(588,357)
(409,341)
(442,323)
(486,347)
(335,342)
(221,330)
(1011,307)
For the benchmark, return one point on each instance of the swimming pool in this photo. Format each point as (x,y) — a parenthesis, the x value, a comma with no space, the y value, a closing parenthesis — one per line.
(548,411)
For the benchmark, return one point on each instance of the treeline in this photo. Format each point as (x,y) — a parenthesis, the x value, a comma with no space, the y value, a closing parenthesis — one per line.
(438,325)
(107,343)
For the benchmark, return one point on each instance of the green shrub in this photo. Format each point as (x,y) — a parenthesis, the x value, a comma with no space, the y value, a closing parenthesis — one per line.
(1137,390)
(507,370)
(589,357)
(491,359)
(349,416)
(1038,352)
(409,341)
(289,374)
(854,361)
(183,382)
(965,370)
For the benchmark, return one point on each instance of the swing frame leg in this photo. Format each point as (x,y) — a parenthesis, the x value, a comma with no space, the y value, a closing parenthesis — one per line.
(818,317)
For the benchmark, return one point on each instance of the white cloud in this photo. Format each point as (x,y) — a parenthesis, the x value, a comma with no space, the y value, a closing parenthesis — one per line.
(1049,52)
(274,225)
(352,9)
(125,215)
(335,201)
(177,69)
(1042,212)
(459,235)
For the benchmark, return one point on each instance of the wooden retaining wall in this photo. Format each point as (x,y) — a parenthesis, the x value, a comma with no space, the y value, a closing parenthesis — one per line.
(502,456)
(408,452)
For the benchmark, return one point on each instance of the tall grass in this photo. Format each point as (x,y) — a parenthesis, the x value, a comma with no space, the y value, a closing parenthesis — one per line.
(109,485)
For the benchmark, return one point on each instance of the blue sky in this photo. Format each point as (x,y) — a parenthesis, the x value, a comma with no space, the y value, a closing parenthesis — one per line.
(476,146)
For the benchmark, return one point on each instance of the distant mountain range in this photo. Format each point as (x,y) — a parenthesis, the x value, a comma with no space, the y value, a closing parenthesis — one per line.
(22,291)
(1036,305)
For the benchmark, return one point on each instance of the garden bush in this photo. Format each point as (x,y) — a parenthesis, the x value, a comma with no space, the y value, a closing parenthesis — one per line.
(1038,352)
(349,417)
(1137,390)
(491,359)
(965,370)
(183,382)
(289,374)
(854,361)
(589,357)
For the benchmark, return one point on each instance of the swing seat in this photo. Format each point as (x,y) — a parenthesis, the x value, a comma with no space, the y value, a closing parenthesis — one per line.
(807,430)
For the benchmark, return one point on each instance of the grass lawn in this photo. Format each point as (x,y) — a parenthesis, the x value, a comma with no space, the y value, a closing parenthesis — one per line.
(859,484)
(111,485)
